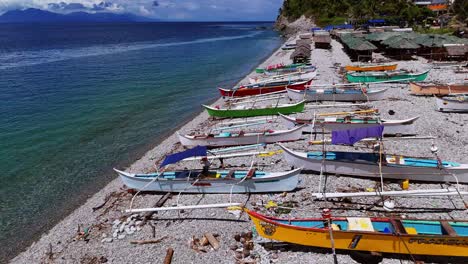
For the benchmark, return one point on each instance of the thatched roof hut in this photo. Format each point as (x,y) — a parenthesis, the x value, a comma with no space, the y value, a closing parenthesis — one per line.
(358,48)
(300,42)
(301,54)
(457,51)
(322,41)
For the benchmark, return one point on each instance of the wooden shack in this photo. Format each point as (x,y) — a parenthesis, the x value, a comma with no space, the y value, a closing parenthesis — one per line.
(322,41)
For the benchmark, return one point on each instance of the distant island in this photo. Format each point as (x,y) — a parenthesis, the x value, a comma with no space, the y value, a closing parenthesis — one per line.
(41,16)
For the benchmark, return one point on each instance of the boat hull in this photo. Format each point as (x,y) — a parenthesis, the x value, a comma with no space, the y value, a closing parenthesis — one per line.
(451,104)
(247,139)
(321,95)
(388,67)
(274,182)
(232,113)
(432,89)
(290,77)
(258,90)
(417,244)
(385,77)
(391,127)
(371,170)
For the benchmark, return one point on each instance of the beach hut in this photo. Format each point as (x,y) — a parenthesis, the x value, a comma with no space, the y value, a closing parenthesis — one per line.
(322,41)
(358,48)
(303,42)
(301,54)
(401,46)
(457,51)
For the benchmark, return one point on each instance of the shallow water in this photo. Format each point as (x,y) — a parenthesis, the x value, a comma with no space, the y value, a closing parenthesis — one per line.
(79,100)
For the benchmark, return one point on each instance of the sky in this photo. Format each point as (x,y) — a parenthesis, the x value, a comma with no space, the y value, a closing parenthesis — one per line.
(190,10)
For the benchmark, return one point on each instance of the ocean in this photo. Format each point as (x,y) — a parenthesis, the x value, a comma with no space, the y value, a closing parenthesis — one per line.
(80,99)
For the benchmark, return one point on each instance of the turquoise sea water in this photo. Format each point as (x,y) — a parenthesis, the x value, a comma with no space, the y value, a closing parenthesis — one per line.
(77,100)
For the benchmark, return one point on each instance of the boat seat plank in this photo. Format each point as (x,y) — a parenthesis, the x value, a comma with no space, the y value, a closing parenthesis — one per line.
(398,226)
(447,228)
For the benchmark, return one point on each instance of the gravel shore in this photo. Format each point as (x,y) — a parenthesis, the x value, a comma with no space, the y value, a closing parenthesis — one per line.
(64,244)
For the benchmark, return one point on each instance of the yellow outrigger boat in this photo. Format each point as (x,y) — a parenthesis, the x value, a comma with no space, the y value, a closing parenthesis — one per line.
(385,235)
(371,67)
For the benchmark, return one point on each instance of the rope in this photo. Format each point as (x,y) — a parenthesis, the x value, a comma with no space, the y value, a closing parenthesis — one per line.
(144,187)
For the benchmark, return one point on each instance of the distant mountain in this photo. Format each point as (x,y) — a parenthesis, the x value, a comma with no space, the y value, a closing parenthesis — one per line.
(38,15)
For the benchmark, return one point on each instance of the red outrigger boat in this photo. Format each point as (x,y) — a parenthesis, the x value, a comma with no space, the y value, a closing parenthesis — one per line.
(257,89)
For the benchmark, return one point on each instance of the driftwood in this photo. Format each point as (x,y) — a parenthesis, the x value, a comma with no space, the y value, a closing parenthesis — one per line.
(143,242)
(168,258)
(159,203)
(212,240)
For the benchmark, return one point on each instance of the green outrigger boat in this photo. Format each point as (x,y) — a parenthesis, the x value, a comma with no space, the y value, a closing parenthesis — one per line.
(284,109)
(388,76)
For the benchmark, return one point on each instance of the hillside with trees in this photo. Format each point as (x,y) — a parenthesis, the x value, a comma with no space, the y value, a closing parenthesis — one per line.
(326,12)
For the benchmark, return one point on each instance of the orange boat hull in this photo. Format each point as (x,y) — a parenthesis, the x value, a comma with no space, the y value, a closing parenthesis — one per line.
(390,67)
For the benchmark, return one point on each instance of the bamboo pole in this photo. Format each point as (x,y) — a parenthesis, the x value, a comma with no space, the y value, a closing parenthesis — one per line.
(412,193)
(203,206)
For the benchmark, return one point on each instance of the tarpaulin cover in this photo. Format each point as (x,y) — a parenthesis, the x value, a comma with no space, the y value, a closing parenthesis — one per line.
(174,158)
(349,137)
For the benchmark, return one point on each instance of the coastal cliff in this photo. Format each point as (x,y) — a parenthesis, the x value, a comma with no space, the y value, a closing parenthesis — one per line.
(292,26)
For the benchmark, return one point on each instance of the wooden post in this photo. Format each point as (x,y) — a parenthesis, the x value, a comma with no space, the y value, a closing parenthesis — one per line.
(168,258)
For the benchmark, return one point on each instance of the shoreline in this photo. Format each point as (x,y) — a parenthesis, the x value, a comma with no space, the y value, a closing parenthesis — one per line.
(178,228)
(169,137)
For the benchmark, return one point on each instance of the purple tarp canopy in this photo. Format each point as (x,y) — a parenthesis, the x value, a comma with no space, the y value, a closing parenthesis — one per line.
(349,137)
(174,158)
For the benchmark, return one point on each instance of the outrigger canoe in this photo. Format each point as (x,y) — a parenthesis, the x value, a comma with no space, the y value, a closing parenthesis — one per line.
(337,94)
(388,76)
(265,88)
(391,127)
(241,138)
(245,111)
(276,67)
(220,181)
(371,67)
(290,77)
(438,89)
(364,164)
(385,235)
(453,103)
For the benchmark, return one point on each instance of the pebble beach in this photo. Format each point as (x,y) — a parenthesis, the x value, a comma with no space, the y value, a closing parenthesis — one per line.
(101,232)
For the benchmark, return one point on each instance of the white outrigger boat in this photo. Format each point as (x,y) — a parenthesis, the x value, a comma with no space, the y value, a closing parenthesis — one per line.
(241,138)
(362,164)
(221,181)
(291,77)
(337,94)
(334,123)
(453,103)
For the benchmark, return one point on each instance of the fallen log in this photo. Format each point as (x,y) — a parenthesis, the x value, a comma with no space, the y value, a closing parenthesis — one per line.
(213,241)
(159,203)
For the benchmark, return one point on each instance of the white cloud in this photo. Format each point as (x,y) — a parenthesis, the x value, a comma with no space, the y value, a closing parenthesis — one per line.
(165,9)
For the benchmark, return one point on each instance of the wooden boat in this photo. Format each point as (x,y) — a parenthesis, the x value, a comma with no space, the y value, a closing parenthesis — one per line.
(391,127)
(289,77)
(337,94)
(220,181)
(385,235)
(453,103)
(244,111)
(437,89)
(362,164)
(266,88)
(388,76)
(241,138)
(372,67)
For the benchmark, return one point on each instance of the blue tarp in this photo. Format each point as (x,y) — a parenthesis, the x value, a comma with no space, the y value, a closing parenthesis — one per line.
(315,29)
(342,26)
(375,21)
(174,158)
(349,137)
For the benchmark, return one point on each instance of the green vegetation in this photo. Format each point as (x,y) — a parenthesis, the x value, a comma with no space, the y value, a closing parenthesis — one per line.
(423,30)
(460,9)
(333,11)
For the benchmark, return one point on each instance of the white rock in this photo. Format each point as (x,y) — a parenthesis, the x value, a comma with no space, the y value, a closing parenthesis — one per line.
(116,222)
(104,235)
(138,228)
(115,234)
(122,227)
(122,236)
(107,240)
(129,232)
(132,228)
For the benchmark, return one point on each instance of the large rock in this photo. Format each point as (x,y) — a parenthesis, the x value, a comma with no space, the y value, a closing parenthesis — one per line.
(302,24)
